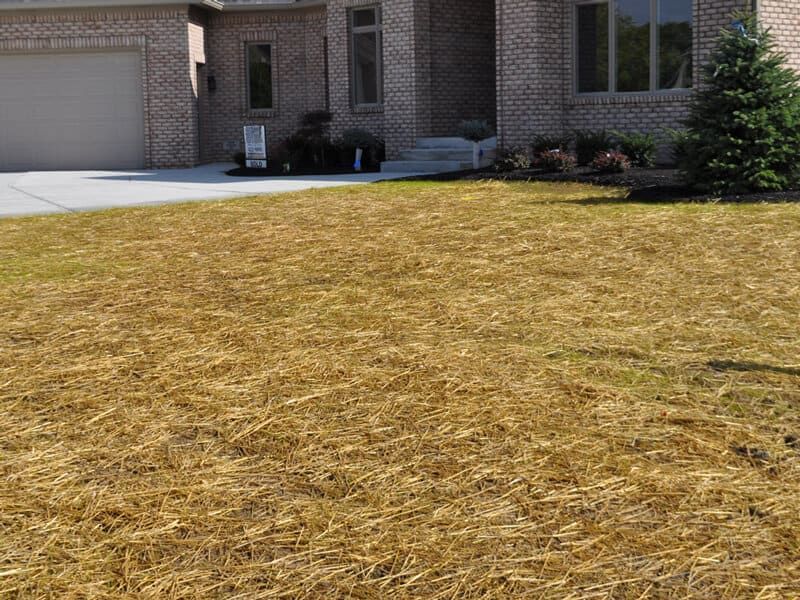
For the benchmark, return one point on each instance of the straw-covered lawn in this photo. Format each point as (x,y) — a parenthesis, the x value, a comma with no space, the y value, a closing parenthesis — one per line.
(406,390)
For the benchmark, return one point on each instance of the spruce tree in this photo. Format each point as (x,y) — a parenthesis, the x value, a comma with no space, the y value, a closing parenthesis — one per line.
(743,129)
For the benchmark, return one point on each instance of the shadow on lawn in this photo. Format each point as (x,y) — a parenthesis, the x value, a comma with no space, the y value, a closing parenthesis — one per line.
(732,365)
(682,195)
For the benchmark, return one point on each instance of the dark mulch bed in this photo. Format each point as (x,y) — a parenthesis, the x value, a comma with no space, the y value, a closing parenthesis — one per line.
(276,170)
(645,185)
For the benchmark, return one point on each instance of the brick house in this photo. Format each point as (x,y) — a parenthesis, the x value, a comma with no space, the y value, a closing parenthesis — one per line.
(162,83)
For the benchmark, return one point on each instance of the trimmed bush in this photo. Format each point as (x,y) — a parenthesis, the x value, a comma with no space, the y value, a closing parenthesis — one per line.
(513,159)
(640,148)
(555,161)
(611,161)
(743,129)
(315,130)
(678,146)
(589,142)
(372,145)
(475,131)
(543,143)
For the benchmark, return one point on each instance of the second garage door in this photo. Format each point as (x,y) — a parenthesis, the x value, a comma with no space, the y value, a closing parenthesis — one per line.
(71,111)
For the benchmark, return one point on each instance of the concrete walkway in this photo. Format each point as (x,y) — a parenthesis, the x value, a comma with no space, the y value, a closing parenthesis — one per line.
(73,191)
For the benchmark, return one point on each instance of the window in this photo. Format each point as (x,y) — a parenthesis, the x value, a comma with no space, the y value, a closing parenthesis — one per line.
(627,46)
(367,52)
(259,76)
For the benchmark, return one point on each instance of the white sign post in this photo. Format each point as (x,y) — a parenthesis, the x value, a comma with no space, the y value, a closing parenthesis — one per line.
(255,146)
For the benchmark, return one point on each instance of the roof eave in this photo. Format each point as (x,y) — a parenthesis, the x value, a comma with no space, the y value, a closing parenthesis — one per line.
(289,5)
(66,4)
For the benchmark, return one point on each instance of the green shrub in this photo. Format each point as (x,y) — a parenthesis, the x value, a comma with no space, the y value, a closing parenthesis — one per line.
(640,148)
(372,145)
(555,160)
(356,137)
(611,161)
(589,142)
(475,131)
(743,129)
(543,143)
(512,159)
(678,146)
(315,131)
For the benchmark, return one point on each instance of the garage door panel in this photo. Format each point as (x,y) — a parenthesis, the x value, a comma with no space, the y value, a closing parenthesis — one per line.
(71,111)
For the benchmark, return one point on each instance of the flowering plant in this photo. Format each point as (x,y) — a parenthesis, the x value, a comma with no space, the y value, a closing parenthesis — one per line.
(611,161)
(555,160)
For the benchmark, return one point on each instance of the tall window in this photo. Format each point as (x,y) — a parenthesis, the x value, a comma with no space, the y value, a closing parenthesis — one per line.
(259,76)
(633,45)
(367,51)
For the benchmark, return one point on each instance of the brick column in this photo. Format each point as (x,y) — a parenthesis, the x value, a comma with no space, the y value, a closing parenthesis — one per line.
(407,73)
(531,69)
(783,18)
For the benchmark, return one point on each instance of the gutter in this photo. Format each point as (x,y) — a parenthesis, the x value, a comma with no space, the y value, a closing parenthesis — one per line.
(65,4)
(281,5)
(213,4)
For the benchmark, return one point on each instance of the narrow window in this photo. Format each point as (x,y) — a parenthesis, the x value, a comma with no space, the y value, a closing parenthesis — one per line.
(592,51)
(259,76)
(633,45)
(674,44)
(367,51)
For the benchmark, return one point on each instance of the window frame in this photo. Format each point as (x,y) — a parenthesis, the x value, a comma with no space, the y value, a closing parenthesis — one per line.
(248,98)
(377,29)
(612,53)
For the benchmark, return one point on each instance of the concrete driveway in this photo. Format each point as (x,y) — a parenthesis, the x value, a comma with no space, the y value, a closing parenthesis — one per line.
(35,193)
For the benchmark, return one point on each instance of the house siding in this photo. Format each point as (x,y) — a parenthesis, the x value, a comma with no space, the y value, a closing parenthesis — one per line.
(783,17)
(508,61)
(462,63)
(339,72)
(161,36)
(535,74)
(298,60)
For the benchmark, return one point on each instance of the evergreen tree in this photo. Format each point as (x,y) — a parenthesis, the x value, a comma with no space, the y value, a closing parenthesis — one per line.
(743,130)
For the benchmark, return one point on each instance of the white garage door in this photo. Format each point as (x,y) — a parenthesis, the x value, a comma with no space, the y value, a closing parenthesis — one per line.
(71,111)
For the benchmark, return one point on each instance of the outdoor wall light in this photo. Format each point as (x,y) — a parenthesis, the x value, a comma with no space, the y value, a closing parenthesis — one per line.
(212,83)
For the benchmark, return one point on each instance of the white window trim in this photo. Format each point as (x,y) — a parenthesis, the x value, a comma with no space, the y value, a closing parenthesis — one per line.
(377,28)
(612,53)
(260,111)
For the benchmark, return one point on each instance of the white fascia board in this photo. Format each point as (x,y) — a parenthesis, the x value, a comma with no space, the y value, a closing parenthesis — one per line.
(271,5)
(56,4)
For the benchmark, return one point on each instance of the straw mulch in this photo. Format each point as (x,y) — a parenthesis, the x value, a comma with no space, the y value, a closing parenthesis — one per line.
(409,390)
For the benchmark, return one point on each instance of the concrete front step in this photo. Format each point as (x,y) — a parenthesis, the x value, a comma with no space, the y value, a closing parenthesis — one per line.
(452,142)
(424,166)
(458,154)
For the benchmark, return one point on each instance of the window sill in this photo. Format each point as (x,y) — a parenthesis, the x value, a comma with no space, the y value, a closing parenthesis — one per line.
(367,109)
(262,113)
(635,98)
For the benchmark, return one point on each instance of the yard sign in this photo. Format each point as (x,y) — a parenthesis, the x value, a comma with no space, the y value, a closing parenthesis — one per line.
(255,146)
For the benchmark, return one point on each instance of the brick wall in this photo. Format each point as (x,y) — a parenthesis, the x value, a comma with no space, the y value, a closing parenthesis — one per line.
(338,35)
(160,34)
(406,113)
(298,74)
(531,68)
(535,74)
(783,17)
(462,63)
(197,59)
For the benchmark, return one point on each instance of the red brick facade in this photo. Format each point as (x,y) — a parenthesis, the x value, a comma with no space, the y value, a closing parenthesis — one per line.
(506,61)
